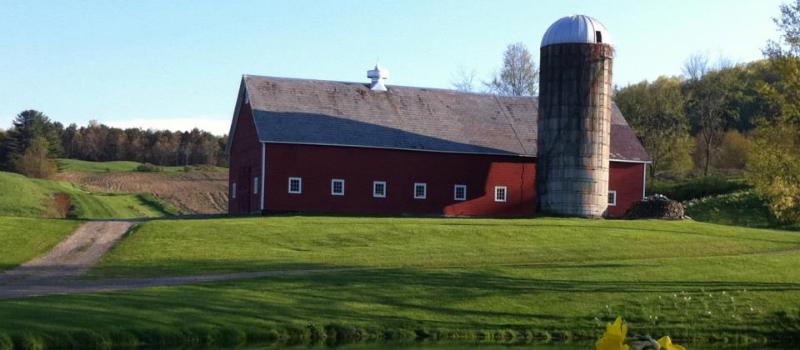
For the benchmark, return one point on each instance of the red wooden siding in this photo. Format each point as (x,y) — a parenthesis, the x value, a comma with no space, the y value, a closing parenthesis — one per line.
(359,167)
(245,163)
(628,180)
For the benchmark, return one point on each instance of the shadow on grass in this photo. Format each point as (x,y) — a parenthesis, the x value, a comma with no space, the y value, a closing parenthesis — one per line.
(413,300)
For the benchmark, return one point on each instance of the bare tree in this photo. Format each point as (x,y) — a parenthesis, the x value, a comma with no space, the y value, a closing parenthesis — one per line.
(696,66)
(518,75)
(464,79)
(789,27)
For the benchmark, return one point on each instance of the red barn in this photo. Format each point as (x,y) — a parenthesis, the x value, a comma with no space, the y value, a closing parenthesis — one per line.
(300,145)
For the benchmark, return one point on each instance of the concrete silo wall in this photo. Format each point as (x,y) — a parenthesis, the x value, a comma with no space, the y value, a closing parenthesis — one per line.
(574,129)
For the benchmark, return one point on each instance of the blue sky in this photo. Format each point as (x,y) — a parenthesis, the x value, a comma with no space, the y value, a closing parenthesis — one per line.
(177,64)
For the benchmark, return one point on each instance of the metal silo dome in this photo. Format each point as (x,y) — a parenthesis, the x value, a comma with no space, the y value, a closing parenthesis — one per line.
(577,29)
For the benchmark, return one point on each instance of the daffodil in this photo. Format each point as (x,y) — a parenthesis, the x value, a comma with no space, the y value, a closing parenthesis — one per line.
(614,338)
(666,343)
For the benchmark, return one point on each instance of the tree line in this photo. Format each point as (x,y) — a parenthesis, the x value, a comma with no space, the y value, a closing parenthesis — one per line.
(34,140)
(727,117)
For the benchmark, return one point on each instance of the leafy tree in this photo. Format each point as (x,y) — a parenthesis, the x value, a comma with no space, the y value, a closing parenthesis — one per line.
(657,114)
(774,167)
(35,162)
(518,75)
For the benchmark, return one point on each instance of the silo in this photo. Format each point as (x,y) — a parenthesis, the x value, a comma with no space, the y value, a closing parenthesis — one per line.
(574,125)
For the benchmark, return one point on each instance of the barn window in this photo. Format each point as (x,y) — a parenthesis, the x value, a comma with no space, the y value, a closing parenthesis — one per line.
(295,185)
(460,192)
(337,187)
(420,190)
(255,185)
(379,189)
(233,190)
(612,198)
(500,193)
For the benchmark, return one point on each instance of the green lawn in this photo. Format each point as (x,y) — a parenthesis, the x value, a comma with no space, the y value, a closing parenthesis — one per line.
(180,247)
(22,196)
(118,166)
(22,239)
(461,278)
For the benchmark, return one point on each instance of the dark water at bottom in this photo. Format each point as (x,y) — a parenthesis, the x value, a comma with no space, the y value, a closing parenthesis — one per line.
(461,346)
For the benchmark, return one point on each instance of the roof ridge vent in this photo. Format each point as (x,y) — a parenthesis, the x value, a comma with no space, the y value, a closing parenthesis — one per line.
(378,75)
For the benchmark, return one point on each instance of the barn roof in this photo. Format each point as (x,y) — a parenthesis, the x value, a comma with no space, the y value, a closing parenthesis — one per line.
(350,114)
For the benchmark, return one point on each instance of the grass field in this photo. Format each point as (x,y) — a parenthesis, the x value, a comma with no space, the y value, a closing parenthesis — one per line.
(22,196)
(226,245)
(461,278)
(119,166)
(25,238)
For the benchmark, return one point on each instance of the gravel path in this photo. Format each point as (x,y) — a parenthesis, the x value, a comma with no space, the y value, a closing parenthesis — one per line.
(70,258)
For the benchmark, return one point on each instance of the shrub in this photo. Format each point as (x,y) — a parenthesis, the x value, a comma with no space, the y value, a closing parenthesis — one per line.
(742,208)
(28,341)
(34,161)
(698,187)
(88,339)
(148,168)
(5,342)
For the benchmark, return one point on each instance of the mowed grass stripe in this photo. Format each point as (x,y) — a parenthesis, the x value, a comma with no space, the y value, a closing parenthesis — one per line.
(22,196)
(184,247)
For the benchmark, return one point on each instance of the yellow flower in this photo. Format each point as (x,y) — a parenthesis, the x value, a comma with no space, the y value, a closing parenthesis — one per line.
(666,343)
(614,338)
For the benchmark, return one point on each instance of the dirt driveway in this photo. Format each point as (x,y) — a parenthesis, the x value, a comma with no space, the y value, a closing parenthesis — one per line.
(58,272)
(72,257)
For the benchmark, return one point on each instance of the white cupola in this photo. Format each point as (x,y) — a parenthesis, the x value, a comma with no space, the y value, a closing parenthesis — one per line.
(378,75)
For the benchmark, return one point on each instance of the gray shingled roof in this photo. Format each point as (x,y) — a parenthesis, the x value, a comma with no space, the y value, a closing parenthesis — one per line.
(350,114)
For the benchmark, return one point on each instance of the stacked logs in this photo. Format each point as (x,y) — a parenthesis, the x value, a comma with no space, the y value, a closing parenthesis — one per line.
(656,207)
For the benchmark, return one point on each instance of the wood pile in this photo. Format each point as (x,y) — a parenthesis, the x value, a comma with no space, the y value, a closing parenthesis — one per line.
(656,207)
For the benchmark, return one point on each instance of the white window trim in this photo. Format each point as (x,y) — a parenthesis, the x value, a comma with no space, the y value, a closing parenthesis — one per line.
(424,190)
(255,185)
(505,194)
(614,203)
(299,187)
(233,190)
(375,194)
(455,192)
(333,192)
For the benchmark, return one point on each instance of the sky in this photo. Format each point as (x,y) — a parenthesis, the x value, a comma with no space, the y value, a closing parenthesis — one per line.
(178,64)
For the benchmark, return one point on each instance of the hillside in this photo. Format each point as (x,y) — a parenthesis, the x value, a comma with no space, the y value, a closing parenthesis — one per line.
(200,190)
(359,278)
(27,197)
